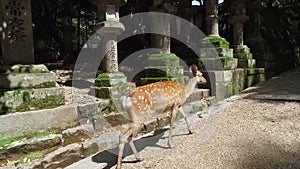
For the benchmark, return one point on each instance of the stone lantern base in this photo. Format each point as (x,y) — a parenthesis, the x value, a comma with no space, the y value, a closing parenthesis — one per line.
(111,85)
(237,72)
(163,67)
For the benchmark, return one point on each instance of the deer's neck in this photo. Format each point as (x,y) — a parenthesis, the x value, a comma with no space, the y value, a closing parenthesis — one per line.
(189,87)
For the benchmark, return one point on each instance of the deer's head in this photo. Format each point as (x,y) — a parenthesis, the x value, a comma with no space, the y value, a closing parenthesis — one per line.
(198,75)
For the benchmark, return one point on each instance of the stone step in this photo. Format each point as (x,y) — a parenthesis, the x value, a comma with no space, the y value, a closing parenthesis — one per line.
(44,120)
(219,63)
(215,52)
(23,99)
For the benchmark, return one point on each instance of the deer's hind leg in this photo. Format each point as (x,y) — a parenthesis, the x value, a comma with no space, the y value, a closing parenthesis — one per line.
(185,118)
(174,113)
(127,136)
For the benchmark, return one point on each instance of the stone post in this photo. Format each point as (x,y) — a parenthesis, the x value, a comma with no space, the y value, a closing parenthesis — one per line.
(212,20)
(16,31)
(210,57)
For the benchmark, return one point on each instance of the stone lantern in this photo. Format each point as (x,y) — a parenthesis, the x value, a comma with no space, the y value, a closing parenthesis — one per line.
(111,83)
(237,19)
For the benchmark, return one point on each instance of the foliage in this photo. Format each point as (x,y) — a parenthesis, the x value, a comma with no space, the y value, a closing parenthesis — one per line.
(48,25)
(278,3)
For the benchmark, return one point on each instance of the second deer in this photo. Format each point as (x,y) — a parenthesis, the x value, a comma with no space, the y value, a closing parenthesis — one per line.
(150,101)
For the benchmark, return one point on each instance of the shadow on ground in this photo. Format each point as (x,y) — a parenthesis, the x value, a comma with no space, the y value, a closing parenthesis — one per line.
(110,156)
(270,156)
(286,83)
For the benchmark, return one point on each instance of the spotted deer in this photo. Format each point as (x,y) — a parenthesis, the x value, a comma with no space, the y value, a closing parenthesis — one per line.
(151,101)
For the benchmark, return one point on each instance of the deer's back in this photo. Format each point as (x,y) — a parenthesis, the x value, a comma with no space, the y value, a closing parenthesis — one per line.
(159,96)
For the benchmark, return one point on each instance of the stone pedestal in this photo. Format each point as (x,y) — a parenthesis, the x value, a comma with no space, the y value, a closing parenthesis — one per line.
(28,87)
(211,57)
(16,31)
(163,67)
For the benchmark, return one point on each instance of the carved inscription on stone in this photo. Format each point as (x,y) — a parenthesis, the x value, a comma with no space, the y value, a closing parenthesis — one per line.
(15,12)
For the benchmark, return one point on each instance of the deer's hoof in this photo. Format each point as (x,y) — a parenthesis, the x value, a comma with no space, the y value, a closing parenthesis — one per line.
(139,159)
(190,132)
(170,145)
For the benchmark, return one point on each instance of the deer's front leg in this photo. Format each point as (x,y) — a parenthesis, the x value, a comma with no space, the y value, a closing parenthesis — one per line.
(123,139)
(134,150)
(174,113)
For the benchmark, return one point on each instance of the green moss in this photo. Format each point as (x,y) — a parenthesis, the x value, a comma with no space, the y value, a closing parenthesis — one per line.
(39,86)
(24,70)
(43,103)
(217,41)
(249,56)
(106,76)
(45,85)
(225,58)
(35,155)
(163,56)
(4,143)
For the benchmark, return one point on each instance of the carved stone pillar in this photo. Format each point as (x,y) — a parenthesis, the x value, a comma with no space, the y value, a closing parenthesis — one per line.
(16,31)
(212,20)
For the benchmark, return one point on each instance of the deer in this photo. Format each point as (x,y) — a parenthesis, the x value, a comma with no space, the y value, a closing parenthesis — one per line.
(150,101)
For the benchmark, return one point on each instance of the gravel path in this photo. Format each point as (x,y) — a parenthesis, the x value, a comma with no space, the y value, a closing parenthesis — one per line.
(250,134)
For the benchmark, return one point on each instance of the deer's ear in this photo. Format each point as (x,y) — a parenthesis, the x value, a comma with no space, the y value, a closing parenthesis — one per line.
(193,69)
